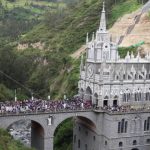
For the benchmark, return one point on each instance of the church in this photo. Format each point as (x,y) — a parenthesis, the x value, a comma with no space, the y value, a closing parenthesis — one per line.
(110,81)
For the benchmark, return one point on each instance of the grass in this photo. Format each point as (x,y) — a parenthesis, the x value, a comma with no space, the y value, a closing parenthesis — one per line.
(122,9)
(70,34)
(35,7)
(27,3)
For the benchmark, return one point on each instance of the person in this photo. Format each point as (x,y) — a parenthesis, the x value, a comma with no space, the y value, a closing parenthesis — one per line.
(82,105)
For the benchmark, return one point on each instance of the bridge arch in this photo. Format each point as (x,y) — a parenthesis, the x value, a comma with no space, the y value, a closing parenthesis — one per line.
(48,122)
(77,121)
(84,115)
(36,132)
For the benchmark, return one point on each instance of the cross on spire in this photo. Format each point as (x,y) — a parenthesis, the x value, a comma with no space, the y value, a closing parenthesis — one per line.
(102,26)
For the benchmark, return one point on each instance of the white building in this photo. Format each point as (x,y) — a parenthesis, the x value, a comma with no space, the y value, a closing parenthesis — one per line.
(109,80)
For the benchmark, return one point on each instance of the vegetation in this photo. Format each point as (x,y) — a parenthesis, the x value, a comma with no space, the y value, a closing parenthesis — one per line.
(64,136)
(48,70)
(123,51)
(7,142)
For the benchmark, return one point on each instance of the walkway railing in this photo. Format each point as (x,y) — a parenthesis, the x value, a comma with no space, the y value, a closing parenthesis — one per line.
(122,109)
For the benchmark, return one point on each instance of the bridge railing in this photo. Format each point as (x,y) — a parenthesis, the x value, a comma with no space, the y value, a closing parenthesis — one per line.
(45,111)
(122,109)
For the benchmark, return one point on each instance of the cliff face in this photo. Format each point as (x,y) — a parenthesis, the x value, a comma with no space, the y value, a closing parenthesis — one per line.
(133,28)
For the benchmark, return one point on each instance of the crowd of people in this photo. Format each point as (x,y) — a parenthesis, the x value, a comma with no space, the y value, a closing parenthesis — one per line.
(39,105)
(125,108)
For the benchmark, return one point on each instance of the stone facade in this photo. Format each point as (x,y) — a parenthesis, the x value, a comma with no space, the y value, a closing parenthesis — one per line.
(109,80)
(114,131)
(43,125)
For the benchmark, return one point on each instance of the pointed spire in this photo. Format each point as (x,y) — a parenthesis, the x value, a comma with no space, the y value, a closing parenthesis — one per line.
(133,69)
(118,56)
(138,55)
(132,55)
(81,65)
(128,56)
(93,37)
(102,26)
(143,68)
(87,38)
(147,55)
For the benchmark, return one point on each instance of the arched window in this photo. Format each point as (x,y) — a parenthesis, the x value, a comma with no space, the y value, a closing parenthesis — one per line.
(147,124)
(124,76)
(105,102)
(148,141)
(140,77)
(126,125)
(117,77)
(127,96)
(149,76)
(120,144)
(135,96)
(88,94)
(148,96)
(119,127)
(138,95)
(124,97)
(81,93)
(129,77)
(134,142)
(122,126)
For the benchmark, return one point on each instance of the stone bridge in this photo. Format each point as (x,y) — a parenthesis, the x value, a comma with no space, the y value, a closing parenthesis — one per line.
(43,125)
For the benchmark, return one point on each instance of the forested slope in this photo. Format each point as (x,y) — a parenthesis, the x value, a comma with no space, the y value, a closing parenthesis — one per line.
(47,68)
(44,66)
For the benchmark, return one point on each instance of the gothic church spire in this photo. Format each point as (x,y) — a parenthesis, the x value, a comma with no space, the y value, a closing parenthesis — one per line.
(102,26)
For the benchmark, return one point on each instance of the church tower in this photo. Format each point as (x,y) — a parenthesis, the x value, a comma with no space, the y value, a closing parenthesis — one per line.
(108,80)
(101,48)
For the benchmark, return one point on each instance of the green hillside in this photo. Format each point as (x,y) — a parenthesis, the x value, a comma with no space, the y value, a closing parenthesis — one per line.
(61,31)
(61,27)
(70,34)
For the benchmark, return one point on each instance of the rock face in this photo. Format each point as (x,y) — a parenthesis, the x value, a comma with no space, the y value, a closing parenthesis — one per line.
(141,32)
(37,45)
(21,131)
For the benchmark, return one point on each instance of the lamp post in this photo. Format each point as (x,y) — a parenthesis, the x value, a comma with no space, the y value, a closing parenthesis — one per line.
(15,95)
(65,96)
(49,97)
(32,98)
